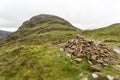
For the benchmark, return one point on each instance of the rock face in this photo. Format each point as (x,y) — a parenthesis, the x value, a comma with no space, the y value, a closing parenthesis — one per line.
(95,53)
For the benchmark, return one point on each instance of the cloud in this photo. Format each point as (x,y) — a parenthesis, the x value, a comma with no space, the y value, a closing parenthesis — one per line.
(85,14)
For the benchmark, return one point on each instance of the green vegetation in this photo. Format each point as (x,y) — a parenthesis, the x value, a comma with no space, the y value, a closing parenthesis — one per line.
(43,33)
(110,33)
(43,62)
(32,53)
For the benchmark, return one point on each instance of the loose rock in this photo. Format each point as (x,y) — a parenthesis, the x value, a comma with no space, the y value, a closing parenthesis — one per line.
(84,79)
(110,77)
(94,75)
(97,76)
(95,68)
(94,52)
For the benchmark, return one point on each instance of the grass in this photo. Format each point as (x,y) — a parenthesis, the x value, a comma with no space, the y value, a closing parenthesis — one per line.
(42,62)
(38,63)
(107,33)
(43,33)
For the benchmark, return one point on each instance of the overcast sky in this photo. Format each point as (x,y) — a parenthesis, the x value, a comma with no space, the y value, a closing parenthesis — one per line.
(85,14)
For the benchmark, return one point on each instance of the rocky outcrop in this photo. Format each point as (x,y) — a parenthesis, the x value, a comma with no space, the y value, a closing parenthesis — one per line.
(94,52)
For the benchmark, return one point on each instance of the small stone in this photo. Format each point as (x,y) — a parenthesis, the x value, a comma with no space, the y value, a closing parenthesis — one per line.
(105,64)
(79,55)
(68,56)
(73,47)
(94,57)
(90,62)
(95,68)
(84,79)
(94,75)
(106,59)
(78,59)
(71,41)
(71,51)
(88,56)
(97,76)
(61,49)
(76,41)
(81,74)
(110,77)
(100,61)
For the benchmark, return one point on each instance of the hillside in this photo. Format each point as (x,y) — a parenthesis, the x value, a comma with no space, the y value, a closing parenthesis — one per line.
(3,34)
(110,34)
(33,52)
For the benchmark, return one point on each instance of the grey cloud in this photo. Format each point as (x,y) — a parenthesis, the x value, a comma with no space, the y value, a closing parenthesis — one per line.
(85,14)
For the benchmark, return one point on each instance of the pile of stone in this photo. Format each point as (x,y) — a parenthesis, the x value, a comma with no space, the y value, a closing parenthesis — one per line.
(94,52)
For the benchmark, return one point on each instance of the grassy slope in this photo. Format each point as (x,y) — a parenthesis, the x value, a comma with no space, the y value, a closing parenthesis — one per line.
(43,62)
(55,33)
(108,33)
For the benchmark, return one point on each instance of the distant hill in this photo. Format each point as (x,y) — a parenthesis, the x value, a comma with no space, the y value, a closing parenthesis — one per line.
(4,34)
(106,34)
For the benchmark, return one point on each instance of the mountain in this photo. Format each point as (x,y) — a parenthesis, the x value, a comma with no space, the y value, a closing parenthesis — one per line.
(110,34)
(42,28)
(4,34)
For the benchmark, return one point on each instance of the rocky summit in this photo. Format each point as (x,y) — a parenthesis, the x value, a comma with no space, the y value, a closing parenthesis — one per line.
(94,52)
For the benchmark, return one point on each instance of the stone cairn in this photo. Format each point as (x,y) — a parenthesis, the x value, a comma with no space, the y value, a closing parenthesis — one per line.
(94,52)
